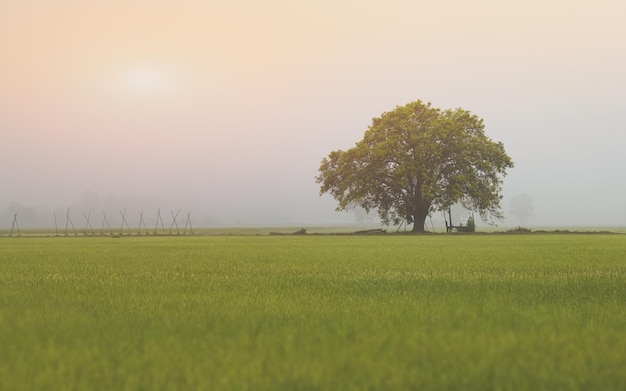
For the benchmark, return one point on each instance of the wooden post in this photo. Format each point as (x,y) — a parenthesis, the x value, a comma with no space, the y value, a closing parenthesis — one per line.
(124,222)
(88,225)
(15,225)
(56,227)
(69,221)
(159,219)
(174,216)
(188,222)
(105,220)
(141,221)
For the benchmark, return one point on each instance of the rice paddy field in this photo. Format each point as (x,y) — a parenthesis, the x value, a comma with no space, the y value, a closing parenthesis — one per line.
(313,312)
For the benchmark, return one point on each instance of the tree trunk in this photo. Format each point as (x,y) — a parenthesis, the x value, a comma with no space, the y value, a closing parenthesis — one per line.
(419,220)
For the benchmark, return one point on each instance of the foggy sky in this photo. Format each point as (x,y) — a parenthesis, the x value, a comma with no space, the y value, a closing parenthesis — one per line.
(225,109)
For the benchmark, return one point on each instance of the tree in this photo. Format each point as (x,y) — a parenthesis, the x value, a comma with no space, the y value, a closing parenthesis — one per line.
(522,208)
(27,216)
(415,160)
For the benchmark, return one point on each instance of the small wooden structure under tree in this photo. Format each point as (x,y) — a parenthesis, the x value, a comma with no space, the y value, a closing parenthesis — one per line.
(469,227)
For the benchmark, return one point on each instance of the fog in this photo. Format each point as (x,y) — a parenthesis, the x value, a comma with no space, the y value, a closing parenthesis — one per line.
(224,111)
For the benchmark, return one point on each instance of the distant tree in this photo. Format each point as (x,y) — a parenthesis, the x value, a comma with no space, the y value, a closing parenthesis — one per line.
(362,217)
(522,208)
(415,160)
(89,200)
(27,216)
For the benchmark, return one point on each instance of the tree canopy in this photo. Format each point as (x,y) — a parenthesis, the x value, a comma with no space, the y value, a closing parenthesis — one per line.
(415,160)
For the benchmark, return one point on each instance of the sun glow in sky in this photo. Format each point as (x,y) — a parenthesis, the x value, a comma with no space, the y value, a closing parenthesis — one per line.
(144,80)
(226,108)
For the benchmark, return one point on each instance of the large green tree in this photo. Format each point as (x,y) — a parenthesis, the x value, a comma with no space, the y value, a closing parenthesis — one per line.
(415,160)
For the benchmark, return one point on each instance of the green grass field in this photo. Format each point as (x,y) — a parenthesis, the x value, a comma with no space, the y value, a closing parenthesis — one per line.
(313,312)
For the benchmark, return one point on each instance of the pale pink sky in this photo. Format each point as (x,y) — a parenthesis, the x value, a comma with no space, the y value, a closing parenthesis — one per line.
(225,109)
